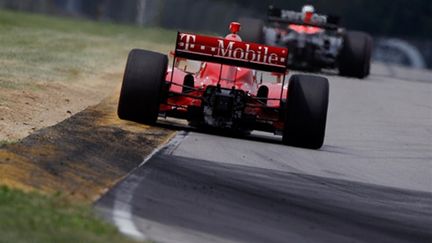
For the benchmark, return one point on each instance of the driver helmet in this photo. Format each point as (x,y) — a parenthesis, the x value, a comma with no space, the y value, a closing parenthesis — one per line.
(308,9)
(308,12)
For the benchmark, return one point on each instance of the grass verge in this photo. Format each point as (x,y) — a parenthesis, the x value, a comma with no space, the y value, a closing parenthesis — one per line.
(37,48)
(31,217)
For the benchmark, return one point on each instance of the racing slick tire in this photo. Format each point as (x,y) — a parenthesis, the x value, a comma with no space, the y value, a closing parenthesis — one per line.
(355,55)
(252,30)
(142,86)
(306,111)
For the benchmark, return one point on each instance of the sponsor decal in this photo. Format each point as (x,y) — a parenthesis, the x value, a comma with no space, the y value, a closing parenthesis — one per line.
(232,50)
(300,17)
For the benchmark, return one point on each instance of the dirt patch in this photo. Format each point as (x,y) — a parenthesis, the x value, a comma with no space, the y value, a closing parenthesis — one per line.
(82,156)
(45,104)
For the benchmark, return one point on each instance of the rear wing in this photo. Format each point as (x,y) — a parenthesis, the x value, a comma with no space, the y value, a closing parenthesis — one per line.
(291,17)
(230,52)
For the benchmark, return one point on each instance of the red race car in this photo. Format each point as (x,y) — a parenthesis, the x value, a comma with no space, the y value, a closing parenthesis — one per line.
(224,83)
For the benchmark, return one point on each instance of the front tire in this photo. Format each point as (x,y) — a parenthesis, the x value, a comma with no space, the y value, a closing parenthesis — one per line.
(306,111)
(142,86)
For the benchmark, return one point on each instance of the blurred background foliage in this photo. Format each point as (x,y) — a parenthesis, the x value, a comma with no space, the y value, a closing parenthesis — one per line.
(410,21)
(397,18)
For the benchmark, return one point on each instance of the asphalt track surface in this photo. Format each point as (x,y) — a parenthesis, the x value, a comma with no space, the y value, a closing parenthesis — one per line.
(371,182)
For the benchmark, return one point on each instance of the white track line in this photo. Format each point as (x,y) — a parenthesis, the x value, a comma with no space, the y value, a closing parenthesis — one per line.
(122,209)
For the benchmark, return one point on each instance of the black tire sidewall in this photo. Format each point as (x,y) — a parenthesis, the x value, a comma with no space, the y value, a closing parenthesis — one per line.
(354,60)
(306,111)
(142,85)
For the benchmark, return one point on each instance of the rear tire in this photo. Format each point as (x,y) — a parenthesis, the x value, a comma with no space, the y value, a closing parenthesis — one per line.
(252,30)
(355,57)
(306,111)
(142,86)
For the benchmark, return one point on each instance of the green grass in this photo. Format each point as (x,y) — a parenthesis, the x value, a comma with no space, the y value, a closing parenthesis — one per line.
(35,218)
(11,19)
(38,49)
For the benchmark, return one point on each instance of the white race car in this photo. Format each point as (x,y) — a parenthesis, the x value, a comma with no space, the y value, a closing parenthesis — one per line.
(314,41)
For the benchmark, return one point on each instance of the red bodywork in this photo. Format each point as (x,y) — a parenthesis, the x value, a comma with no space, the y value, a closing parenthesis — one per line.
(228,64)
(305,29)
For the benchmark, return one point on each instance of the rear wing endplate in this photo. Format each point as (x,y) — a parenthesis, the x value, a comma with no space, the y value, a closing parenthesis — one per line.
(230,52)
